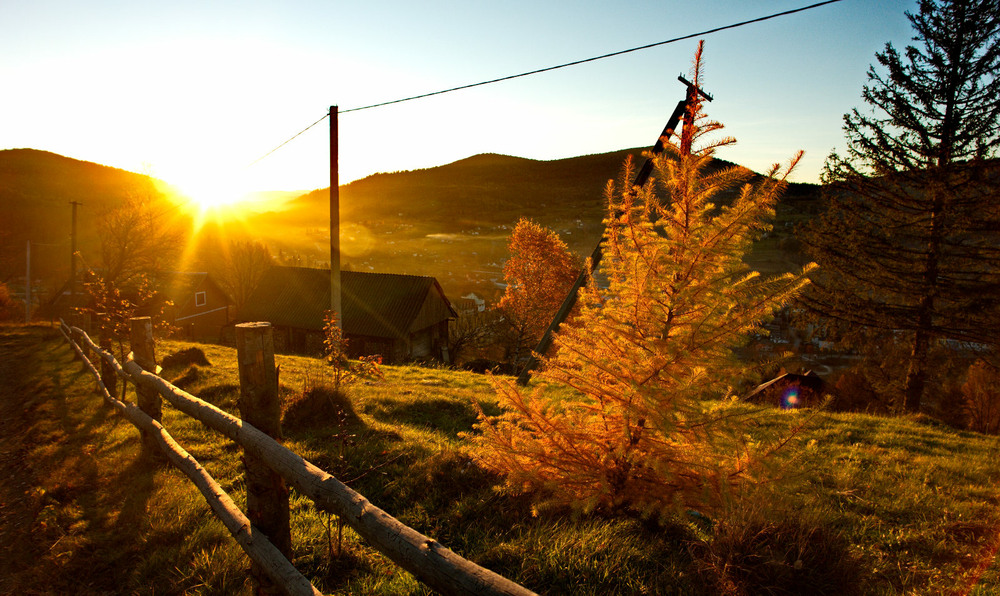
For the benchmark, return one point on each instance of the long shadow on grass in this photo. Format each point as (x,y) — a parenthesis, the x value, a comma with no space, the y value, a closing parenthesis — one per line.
(450,416)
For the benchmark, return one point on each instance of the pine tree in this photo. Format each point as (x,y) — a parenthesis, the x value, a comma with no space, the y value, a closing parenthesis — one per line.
(618,417)
(907,247)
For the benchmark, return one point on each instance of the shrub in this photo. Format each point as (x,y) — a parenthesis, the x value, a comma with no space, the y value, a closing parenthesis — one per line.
(853,393)
(10,309)
(750,552)
(344,370)
(981,398)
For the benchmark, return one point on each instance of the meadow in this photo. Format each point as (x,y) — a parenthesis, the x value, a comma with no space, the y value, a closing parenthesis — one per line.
(868,505)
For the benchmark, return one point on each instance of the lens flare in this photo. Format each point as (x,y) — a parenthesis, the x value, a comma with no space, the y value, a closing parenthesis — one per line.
(790,398)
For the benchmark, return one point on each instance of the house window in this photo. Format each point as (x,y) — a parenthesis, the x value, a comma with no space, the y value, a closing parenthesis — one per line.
(200,299)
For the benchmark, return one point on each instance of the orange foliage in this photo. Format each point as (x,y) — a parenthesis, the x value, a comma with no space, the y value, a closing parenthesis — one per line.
(539,273)
(623,416)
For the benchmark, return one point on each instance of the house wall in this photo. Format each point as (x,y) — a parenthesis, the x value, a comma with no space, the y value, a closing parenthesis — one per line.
(201,321)
(430,343)
(432,311)
(363,345)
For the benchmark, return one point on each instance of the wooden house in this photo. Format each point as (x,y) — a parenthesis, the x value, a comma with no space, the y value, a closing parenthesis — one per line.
(399,317)
(790,391)
(199,307)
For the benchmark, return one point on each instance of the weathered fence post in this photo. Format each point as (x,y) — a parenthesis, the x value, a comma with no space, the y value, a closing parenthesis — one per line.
(143,352)
(73,320)
(84,348)
(108,376)
(267,494)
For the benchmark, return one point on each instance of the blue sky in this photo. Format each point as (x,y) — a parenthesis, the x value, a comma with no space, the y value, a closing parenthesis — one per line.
(193,92)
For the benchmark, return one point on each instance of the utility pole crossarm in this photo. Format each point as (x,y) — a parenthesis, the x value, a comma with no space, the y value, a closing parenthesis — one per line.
(691,97)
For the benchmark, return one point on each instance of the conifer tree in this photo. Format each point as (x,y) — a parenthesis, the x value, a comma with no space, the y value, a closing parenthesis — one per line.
(630,428)
(540,271)
(907,246)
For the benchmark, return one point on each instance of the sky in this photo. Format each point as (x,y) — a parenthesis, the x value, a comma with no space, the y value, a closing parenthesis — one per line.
(194,92)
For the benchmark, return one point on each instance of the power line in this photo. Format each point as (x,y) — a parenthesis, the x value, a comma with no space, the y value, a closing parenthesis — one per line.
(595,58)
(551,68)
(289,140)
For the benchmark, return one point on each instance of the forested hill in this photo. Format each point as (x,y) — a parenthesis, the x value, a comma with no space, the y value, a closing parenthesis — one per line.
(482,190)
(487,190)
(450,221)
(36,188)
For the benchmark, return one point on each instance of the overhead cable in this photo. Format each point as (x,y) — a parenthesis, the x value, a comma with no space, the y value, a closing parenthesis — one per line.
(565,65)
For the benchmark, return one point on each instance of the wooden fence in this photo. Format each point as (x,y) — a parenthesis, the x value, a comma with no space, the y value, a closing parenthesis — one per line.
(430,562)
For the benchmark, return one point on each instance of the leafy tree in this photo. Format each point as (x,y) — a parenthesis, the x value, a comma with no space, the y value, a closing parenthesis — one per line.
(907,246)
(239,267)
(115,307)
(619,419)
(540,271)
(138,238)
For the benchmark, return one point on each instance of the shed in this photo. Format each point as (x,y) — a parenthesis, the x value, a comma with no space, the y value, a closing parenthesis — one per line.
(399,317)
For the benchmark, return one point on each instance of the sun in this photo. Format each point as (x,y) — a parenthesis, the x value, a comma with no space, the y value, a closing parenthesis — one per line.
(212,193)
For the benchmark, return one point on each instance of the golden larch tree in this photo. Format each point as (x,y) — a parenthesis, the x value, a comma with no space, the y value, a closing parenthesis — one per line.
(619,419)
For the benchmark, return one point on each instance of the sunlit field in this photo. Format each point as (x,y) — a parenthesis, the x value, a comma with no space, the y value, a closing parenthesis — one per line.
(872,505)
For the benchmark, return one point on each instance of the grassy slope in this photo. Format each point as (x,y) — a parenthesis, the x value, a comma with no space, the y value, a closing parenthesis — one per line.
(884,506)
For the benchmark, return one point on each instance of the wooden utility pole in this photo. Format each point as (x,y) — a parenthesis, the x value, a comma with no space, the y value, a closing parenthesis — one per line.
(27,285)
(335,304)
(267,493)
(72,254)
(680,111)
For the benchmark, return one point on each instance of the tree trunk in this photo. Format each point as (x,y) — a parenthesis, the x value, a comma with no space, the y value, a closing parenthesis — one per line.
(916,374)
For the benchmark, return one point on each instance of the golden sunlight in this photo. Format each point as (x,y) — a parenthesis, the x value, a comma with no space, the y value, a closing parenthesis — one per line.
(207,192)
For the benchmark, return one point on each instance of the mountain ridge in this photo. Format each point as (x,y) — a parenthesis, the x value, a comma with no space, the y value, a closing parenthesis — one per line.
(450,221)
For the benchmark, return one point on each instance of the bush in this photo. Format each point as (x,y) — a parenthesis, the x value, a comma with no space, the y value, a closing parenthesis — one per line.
(10,309)
(981,398)
(750,552)
(318,407)
(853,393)
(186,357)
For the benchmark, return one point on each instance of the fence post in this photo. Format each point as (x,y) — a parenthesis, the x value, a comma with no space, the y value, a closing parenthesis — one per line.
(143,352)
(85,322)
(267,494)
(84,348)
(73,320)
(108,376)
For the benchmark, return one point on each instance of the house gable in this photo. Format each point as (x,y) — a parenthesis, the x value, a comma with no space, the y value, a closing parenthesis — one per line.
(376,305)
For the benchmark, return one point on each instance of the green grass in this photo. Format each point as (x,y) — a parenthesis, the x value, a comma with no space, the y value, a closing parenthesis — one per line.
(869,505)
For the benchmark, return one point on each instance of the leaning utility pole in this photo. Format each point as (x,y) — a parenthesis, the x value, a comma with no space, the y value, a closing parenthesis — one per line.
(680,111)
(335,304)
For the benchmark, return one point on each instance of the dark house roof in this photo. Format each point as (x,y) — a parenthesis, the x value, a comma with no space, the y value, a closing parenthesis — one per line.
(179,286)
(808,380)
(375,304)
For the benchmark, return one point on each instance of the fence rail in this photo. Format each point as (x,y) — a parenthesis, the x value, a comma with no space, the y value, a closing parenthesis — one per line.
(429,561)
